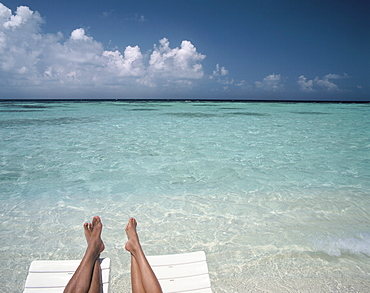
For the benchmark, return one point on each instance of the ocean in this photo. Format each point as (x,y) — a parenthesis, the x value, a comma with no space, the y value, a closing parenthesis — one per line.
(276,194)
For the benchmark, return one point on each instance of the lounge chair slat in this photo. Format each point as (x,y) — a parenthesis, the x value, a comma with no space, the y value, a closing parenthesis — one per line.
(61,265)
(53,276)
(187,272)
(177,258)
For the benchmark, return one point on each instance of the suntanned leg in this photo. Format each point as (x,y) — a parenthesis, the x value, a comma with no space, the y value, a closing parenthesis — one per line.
(136,284)
(144,279)
(82,279)
(96,285)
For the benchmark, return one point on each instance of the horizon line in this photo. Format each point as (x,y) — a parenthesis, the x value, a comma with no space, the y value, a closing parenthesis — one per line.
(189,100)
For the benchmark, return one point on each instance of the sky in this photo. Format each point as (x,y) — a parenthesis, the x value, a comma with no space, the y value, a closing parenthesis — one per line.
(193,49)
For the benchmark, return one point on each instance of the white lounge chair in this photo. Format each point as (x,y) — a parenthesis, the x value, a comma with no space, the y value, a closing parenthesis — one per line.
(53,275)
(186,272)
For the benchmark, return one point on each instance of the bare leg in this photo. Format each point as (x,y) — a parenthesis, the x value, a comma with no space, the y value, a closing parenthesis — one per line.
(86,273)
(136,283)
(96,285)
(142,275)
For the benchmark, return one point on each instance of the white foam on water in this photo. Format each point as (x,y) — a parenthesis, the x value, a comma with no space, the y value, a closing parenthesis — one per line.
(336,246)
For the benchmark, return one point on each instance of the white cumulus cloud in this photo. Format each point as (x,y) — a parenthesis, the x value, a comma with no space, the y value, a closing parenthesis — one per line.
(272,82)
(304,84)
(336,76)
(324,83)
(22,16)
(220,74)
(29,58)
(219,71)
(79,34)
(130,63)
(183,62)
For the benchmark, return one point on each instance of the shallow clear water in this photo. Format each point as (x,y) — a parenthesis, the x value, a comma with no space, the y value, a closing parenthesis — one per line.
(276,194)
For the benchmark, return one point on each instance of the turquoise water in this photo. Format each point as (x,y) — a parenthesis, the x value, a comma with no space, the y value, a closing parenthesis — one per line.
(276,194)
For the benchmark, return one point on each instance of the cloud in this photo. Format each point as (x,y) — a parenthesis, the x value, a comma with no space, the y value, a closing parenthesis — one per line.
(19,41)
(336,76)
(79,34)
(22,16)
(219,71)
(107,14)
(128,64)
(29,58)
(136,18)
(304,84)
(220,75)
(272,82)
(324,83)
(140,18)
(180,62)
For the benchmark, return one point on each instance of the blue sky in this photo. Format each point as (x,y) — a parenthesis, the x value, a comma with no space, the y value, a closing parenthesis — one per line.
(194,49)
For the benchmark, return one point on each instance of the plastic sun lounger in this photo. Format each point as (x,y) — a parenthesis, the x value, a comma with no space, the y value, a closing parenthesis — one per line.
(53,275)
(186,272)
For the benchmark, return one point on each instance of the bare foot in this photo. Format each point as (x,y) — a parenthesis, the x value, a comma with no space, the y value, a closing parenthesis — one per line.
(92,233)
(133,238)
